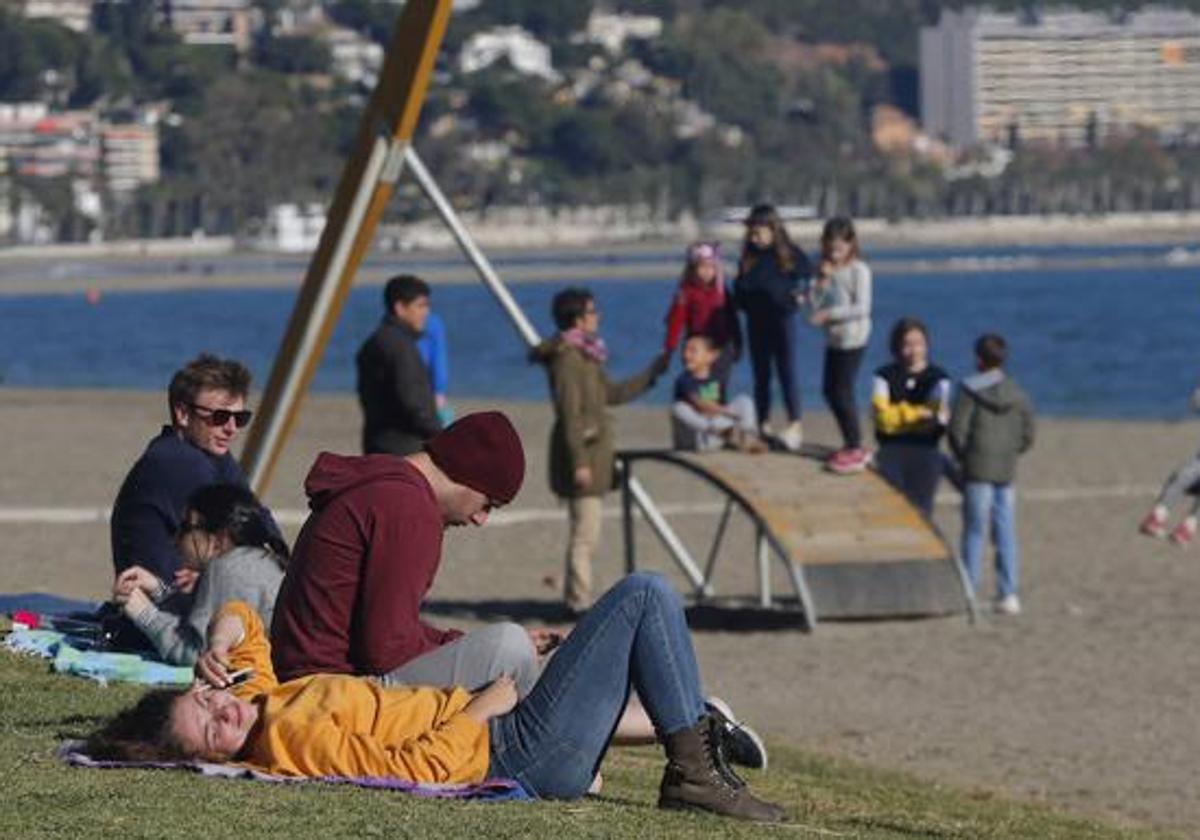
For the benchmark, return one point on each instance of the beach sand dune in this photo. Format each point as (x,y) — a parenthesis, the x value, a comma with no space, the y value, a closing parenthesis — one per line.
(1085,701)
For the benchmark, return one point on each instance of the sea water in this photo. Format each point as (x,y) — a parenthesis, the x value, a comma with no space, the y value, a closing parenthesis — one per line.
(1100,342)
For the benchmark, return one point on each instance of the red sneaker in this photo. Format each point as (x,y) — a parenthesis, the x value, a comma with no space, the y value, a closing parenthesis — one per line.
(1184,532)
(1154,525)
(849,461)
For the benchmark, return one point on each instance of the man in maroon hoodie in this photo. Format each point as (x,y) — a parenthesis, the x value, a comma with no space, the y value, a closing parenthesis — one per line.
(351,600)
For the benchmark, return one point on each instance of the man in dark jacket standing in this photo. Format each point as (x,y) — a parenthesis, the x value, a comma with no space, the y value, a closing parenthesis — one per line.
(991,426)
(399,410)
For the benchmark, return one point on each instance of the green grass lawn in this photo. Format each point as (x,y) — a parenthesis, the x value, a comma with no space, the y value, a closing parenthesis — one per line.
(43,798)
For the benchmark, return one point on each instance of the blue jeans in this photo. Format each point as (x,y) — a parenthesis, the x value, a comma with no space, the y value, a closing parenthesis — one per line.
(635,637)
(985,503)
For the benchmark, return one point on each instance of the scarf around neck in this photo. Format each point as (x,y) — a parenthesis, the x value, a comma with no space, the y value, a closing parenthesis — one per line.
(591,346)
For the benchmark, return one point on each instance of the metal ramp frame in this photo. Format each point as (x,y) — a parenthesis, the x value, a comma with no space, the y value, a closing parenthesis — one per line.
(890,562)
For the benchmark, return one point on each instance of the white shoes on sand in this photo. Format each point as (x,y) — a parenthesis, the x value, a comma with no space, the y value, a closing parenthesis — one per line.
(793,436)
(1008,605)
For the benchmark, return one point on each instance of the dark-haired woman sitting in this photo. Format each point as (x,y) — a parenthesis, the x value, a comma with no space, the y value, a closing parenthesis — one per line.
(227,536)
(552,741)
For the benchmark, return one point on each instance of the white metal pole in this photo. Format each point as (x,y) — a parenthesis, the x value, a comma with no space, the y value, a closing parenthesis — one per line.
(763,555)
(461,235)
(670,540)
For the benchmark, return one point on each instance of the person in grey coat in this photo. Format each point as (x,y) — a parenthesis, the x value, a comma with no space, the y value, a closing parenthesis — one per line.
(226,535)
(991,426)
(399,408)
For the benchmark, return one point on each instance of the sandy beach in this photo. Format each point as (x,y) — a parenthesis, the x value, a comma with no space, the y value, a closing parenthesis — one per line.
(1084,701)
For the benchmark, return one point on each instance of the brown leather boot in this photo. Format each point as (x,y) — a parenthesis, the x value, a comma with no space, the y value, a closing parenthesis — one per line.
(697,777)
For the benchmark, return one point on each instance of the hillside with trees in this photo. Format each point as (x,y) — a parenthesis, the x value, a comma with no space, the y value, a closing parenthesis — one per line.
(728,103)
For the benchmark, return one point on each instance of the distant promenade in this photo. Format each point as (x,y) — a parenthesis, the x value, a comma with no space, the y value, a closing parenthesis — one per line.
(565,252)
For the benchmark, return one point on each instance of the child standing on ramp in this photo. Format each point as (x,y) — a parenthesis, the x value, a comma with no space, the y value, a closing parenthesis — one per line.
(769,288)
(841,304)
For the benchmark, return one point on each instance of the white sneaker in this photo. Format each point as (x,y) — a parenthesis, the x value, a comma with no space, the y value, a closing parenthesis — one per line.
(793,436)
(741,744)
(1008,605)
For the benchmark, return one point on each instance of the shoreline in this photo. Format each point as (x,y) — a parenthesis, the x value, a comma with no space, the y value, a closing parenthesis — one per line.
(639,264)
(540,232)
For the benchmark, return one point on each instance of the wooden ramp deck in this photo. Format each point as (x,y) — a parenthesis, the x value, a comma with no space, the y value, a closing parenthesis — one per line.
(853,546)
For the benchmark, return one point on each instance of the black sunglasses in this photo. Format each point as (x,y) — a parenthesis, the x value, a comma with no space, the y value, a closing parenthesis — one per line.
(221,416)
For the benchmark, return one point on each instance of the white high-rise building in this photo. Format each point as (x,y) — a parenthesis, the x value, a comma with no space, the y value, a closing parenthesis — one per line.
(73,14)
(1061,76)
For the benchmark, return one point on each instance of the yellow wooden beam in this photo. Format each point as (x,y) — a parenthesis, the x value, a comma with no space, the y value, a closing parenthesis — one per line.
(366,185)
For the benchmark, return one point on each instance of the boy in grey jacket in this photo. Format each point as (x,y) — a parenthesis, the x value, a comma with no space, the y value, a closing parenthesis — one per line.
(991,426)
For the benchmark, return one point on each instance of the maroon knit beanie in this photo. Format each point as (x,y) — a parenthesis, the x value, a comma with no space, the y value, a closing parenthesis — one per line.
(483,452)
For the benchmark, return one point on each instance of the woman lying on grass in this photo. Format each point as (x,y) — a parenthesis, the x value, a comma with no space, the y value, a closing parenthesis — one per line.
(552,742)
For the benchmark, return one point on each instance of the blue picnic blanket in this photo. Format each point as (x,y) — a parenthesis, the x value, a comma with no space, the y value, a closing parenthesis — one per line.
(102,666)
(490,790)
(44,602)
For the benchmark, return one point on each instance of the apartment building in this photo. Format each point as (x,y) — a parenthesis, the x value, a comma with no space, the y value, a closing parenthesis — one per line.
(129,155)
(1062,76)
(73,14)
(38,143)
(210,22)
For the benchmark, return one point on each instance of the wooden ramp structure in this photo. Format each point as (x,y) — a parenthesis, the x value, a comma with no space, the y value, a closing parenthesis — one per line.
(852,546)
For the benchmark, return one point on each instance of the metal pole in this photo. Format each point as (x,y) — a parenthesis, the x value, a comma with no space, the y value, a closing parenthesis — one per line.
(763,554)
(802,593)
(463,237)
(668,537)
(718,538)
(627,517)
(968,590)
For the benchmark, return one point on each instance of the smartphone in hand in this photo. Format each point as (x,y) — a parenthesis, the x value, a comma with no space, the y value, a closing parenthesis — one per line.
(239,677)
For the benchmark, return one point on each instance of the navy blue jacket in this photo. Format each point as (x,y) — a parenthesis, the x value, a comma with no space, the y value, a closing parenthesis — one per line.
(765,290)
(153,497)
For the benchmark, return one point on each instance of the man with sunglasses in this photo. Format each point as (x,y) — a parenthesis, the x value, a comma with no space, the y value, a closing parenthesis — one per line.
(207,404)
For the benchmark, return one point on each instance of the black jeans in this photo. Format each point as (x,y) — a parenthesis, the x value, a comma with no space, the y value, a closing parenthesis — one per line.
(841,369)
(772,338)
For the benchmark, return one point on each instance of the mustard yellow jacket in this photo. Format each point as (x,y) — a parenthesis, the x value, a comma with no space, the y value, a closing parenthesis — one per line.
(338,725)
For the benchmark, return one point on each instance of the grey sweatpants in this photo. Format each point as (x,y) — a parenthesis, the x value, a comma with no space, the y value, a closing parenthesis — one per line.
(474,660)
(691,430)
(1181,482)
